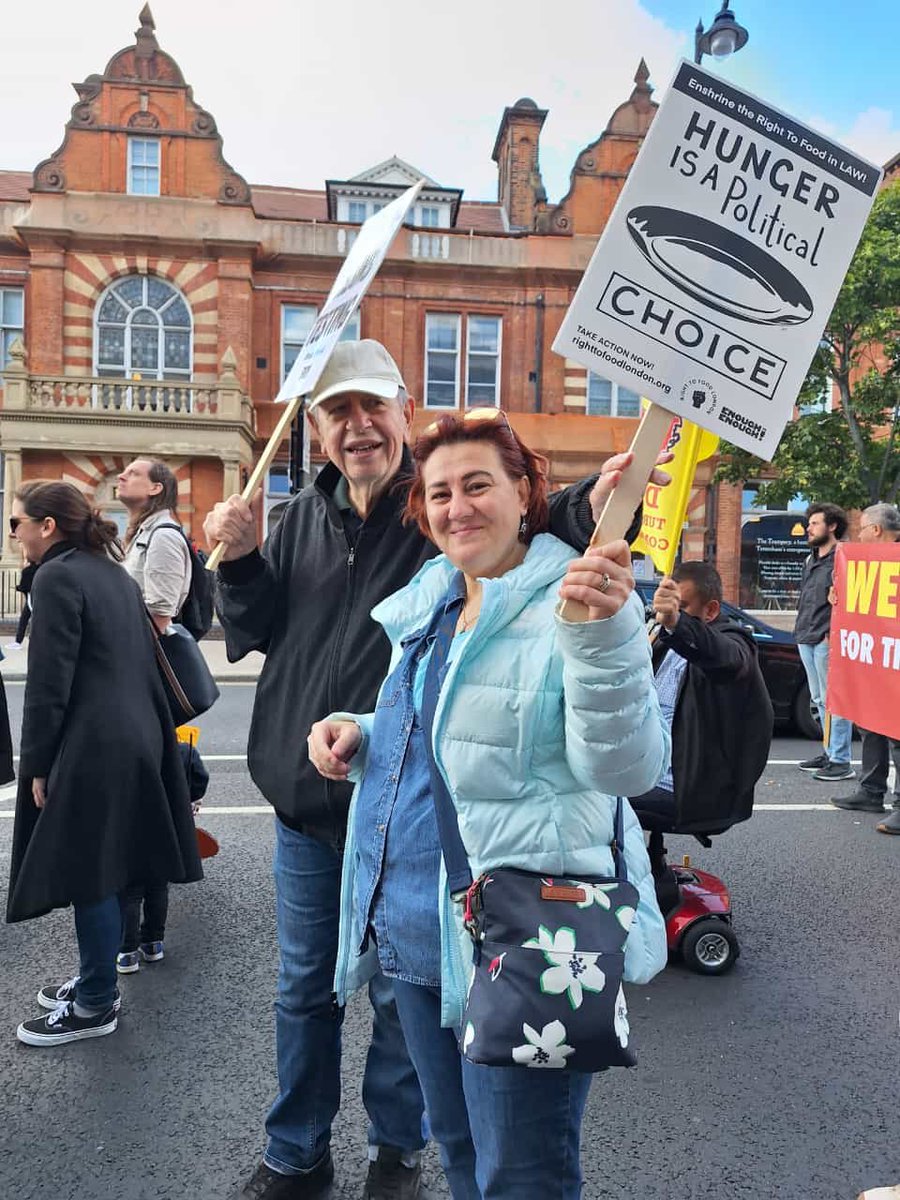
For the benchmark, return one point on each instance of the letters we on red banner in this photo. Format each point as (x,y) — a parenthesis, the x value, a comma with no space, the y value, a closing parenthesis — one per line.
(864,661)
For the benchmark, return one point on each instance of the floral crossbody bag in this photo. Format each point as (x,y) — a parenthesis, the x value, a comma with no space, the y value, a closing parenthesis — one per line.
(548,952)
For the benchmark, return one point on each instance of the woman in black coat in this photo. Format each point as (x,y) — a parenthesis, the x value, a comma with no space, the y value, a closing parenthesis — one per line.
(103,799)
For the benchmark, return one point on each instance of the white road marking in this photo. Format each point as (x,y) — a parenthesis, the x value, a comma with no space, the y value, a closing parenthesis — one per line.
(240,810)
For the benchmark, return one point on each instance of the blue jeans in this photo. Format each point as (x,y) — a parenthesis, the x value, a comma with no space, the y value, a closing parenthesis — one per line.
(98,928)
(308,1021)
(504,1133)
(815,663)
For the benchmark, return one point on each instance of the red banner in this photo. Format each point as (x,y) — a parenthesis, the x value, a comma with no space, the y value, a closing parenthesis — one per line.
(864,659)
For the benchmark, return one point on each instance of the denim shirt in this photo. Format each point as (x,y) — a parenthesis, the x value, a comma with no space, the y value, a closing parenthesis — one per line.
(398,848)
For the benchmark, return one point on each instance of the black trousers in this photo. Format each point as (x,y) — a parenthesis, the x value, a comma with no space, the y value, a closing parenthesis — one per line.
(154,897)
(877,751)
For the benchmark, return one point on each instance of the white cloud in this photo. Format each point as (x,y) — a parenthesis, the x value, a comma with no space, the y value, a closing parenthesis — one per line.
(875,134)
(306,92)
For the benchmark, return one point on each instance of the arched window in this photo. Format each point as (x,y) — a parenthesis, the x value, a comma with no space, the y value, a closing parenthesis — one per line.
(142,329)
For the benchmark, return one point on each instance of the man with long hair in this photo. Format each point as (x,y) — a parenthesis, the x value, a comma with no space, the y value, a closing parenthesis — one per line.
(158,559)
(826,525)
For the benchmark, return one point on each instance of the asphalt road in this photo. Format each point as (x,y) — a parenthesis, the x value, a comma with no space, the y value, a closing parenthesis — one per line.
(778,1080)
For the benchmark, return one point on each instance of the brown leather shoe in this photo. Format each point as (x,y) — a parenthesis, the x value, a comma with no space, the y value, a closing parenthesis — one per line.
(266,1184)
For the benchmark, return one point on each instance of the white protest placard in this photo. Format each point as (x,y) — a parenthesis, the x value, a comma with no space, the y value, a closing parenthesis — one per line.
(360,268)
(718,269)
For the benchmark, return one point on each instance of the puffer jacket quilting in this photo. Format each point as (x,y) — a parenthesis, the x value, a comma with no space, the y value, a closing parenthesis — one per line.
(540,724)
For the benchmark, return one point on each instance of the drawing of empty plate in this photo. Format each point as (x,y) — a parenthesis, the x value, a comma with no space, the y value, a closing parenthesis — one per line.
(721,269)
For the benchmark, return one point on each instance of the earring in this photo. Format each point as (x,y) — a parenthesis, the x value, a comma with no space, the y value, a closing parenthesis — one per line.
(523,527)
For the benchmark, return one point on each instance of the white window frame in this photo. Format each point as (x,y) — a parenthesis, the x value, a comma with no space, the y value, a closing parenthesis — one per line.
(7,327)
(614,398)
(172,374)
(143,141)
(457,353)
(351,332)
(484,354)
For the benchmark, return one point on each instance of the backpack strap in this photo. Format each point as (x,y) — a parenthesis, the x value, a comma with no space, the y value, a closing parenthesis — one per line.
(165,525)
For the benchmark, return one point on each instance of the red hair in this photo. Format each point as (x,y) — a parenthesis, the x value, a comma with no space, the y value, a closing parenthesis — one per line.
(518,462)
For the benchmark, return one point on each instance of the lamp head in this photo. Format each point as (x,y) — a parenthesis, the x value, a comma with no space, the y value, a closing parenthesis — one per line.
(724,37)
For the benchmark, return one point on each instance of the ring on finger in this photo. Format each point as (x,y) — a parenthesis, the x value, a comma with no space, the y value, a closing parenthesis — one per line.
(605,581)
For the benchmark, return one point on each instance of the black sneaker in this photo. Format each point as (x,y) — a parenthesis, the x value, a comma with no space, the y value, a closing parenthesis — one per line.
(390,1179)
(834,771)
(814,764)
(859,801)
(59,993)
(266,1184)
(62,1025)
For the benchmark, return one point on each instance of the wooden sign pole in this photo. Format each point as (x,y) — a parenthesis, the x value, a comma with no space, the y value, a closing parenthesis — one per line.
(618,510)
(291,408)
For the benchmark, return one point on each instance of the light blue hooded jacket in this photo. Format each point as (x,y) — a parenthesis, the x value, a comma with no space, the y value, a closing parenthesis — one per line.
(541,723)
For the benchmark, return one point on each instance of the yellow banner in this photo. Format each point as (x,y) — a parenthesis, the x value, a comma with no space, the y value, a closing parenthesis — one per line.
(665,508)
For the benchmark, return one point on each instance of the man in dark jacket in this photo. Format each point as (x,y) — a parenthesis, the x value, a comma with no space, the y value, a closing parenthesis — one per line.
(826,524)
(304,601)
(714,697)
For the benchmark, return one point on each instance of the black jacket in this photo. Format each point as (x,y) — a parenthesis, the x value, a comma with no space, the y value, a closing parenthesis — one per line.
(305,603)
(96,725)
(723,724)
(813,622)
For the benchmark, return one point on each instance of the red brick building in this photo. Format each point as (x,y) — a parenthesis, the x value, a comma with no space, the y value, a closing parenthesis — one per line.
(151,300)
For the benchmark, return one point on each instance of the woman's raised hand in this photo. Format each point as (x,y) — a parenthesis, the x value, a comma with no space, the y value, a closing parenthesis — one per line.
(331,746)
(602,579)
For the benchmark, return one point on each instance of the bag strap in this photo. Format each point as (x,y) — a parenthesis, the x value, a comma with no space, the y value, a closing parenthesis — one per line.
(456,861)
(443,628)
(166,525)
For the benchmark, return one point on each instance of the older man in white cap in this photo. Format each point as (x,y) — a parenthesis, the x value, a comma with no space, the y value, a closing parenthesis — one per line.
(304,601)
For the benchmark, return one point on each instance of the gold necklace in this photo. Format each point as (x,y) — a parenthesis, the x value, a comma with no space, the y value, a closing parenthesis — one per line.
(466,623)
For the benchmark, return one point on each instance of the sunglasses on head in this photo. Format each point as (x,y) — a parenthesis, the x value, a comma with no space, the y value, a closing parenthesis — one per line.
(472,414)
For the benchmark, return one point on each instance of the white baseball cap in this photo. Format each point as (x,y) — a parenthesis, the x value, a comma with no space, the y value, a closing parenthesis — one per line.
(358,367)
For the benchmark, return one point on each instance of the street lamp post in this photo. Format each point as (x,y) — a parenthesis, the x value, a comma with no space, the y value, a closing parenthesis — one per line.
(723,38)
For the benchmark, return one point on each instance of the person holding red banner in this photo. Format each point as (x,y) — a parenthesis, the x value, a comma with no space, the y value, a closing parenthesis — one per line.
(879,523)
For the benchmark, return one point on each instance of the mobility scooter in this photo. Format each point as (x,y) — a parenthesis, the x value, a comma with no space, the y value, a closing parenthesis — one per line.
(695,904)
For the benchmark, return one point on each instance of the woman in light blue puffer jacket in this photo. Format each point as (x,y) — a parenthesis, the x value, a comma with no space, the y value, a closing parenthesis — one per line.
(540,724)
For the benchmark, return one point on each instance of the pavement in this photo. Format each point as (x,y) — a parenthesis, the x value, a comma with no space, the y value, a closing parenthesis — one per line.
(775,1082)
(15,661)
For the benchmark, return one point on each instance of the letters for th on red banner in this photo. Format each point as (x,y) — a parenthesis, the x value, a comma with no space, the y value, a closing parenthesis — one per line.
(864,663)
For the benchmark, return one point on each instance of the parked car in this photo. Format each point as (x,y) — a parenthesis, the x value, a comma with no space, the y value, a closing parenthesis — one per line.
(779,661)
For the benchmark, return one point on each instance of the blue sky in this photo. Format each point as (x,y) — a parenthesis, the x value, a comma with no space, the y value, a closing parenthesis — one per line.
(307,92)
(835,63)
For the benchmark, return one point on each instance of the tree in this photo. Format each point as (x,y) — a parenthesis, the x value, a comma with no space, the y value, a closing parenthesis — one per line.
(850,456)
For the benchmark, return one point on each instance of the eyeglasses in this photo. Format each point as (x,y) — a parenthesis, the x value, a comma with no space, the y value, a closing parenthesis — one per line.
(472,414)
(15,522)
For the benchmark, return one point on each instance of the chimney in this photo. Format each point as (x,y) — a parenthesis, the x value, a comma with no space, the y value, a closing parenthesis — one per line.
(520,189)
